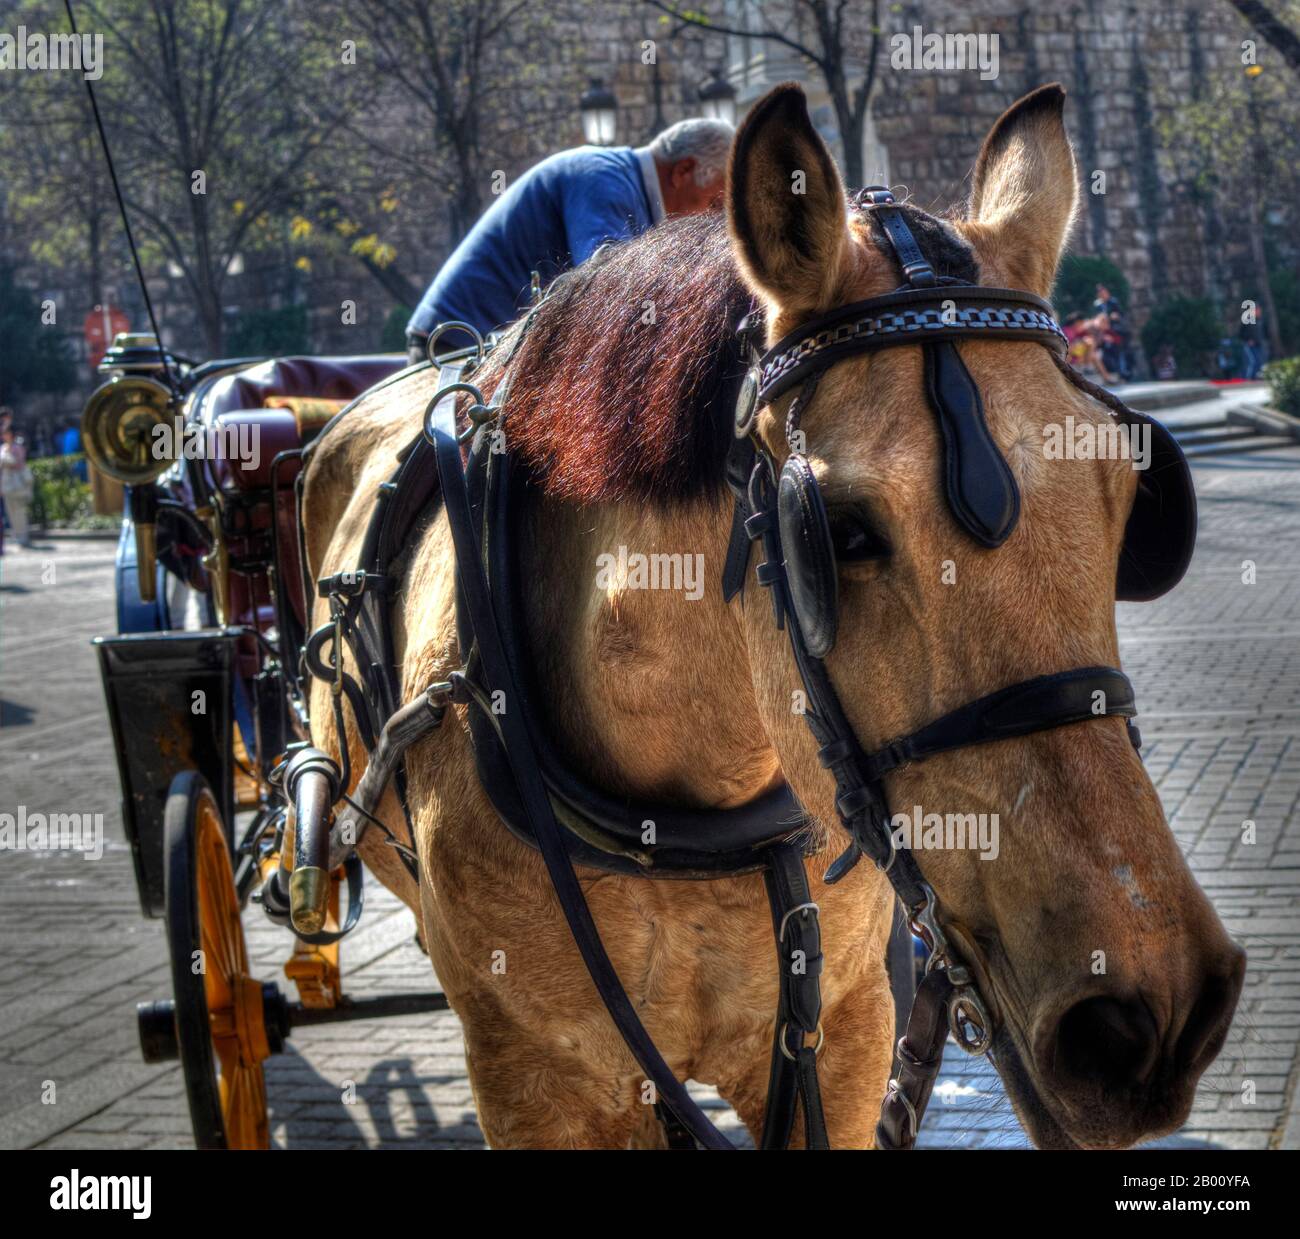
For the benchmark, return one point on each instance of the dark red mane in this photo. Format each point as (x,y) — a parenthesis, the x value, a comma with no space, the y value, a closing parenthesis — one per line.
(607,406)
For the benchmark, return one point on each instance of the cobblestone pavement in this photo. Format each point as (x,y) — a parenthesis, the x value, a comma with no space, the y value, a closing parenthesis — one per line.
(1217,671)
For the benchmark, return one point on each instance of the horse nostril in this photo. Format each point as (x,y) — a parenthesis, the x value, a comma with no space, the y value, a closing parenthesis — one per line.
(1107,1041)
(1207,1025)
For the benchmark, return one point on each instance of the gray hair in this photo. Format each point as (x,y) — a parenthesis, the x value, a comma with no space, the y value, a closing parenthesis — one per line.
(708,142)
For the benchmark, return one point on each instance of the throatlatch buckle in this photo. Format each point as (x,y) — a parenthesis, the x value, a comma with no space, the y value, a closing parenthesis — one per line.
(352,583)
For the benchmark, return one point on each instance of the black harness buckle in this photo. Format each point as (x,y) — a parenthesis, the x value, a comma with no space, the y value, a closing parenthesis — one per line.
(353,583)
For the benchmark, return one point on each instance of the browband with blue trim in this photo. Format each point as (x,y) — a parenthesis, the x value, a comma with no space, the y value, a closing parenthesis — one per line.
(912,315)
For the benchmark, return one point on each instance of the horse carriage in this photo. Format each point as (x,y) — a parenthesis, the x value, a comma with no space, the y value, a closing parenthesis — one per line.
(204,688)
(292,630)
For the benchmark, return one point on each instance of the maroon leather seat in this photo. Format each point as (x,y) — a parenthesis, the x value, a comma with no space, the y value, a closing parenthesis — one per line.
(234,405)
(260,518)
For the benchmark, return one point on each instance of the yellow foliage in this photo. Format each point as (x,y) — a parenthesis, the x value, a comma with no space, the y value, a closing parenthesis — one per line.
(371,247)
(299,228)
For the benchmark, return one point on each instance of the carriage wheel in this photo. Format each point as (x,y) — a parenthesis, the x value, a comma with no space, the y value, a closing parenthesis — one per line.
(220,1024)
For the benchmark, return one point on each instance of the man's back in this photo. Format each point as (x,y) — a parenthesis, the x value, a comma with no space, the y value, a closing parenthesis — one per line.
(551,218)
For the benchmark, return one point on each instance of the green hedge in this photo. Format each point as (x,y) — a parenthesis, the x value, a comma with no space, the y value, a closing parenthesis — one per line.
(1192,326)
(269,333)
(1077,280)
(61,498)
(1284,377)
(393,337)
(1286,301)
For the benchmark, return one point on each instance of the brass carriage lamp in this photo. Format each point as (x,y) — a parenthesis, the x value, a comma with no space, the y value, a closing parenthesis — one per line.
(718,99)
(119,428)
(599,108)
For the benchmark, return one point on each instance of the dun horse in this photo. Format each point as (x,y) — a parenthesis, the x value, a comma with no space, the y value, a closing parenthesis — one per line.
(1111,979)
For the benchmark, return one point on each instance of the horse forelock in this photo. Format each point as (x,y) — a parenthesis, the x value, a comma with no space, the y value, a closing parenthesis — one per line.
(620,387)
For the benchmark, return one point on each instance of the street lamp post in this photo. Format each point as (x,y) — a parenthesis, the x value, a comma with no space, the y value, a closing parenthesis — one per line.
(599,109)
(718,99)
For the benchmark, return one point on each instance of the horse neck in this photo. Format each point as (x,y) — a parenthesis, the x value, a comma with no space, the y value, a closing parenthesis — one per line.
(643,668)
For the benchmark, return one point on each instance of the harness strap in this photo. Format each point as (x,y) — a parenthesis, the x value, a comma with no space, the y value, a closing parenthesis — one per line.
(917,1062)
(916,268)
(1020,710)
(909,316)
(736,565)
(739,469)
(441,420)
(814,1118)
(359,603)
(793,1073)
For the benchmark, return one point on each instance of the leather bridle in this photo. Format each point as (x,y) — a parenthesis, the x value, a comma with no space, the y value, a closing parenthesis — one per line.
(932,313)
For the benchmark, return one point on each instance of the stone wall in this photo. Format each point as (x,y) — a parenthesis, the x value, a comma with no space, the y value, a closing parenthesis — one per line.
(1123,65)
(655,73)
(1126,65)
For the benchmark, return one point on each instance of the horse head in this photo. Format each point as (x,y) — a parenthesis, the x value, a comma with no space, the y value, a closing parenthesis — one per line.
(1109,979)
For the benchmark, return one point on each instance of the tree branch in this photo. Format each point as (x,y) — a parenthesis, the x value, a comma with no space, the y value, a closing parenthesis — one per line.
(1283,40)
(772,36)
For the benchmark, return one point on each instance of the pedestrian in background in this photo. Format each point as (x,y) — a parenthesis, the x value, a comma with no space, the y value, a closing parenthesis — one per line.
(1253,345)
(6,420)
(16,482)
(1115,342)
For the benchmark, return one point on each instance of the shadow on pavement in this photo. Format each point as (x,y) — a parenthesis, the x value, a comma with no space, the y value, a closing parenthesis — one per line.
(14,715)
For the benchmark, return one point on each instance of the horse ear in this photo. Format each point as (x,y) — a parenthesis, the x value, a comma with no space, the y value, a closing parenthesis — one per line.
(785,206)
(1024,191)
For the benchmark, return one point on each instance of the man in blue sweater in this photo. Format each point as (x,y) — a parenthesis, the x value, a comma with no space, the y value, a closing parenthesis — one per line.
(558,213)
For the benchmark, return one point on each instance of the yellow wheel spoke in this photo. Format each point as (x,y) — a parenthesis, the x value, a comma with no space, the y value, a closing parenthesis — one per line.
(234,999)
(243,1105)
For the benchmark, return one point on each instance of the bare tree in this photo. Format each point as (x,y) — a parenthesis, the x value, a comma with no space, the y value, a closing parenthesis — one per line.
(215,110)
(450,92)
(463,68)
(1236,147)
(59,201)
(1272,29)
(825,51)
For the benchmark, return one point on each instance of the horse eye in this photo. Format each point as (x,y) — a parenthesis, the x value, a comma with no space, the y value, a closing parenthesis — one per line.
(855,537)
